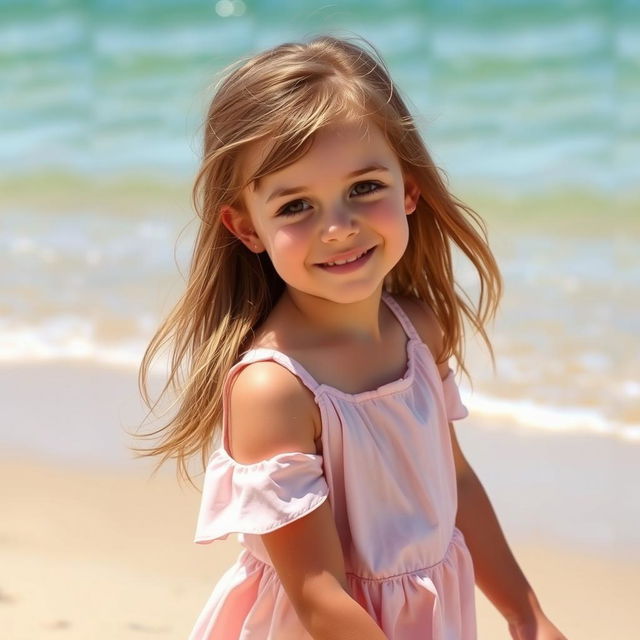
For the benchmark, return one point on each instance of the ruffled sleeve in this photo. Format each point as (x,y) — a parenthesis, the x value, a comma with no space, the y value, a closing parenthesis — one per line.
(453,404)
(258,498)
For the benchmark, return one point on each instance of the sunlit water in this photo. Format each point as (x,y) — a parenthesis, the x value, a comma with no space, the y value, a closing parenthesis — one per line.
(514,102)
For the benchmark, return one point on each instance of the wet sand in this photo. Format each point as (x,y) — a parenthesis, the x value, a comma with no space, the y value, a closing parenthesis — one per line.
(91,546)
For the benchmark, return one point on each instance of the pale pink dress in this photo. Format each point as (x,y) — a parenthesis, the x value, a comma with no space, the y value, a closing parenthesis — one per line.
(387,470)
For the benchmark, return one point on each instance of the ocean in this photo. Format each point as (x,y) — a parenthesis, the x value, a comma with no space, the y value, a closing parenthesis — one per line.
(530,108)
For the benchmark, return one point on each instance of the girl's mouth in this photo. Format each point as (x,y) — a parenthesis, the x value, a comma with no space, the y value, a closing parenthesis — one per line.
(348,266)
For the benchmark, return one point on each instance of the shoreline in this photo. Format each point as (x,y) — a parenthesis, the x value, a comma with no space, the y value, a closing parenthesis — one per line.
(570,488)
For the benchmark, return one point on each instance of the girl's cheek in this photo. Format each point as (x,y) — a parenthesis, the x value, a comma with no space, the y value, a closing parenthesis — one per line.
(390,219)
(288,236)
(385,212)
(287,243)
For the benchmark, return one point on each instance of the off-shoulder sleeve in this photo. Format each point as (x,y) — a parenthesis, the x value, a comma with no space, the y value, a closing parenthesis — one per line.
(258,498)
(453,404)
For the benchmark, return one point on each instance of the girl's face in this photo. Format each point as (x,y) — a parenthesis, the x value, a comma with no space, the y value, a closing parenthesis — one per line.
(334,223)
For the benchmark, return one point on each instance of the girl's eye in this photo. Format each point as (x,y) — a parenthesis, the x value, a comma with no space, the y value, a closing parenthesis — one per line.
(364,188)
(293,208)
(296,207)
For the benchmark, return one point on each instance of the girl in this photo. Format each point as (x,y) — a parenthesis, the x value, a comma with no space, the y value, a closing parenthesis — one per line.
(317,325)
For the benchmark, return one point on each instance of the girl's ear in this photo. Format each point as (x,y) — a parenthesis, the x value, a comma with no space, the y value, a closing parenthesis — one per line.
(411,194)
(239,223)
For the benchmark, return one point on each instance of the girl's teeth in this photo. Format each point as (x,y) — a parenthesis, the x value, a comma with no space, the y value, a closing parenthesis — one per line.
(339,262)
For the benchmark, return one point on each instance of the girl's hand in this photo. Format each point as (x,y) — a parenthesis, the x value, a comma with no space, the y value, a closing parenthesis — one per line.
(539,627)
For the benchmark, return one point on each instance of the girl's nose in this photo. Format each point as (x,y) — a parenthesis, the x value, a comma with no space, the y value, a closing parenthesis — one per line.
(339,225)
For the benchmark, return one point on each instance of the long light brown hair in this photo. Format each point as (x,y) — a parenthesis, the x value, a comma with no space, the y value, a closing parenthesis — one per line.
(284,96)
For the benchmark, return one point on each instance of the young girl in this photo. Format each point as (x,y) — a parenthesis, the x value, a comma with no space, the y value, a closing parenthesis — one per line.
(316,329)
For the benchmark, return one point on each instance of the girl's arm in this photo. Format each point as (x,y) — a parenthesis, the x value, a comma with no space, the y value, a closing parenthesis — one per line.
(308,557)
(496,570)
(271,412)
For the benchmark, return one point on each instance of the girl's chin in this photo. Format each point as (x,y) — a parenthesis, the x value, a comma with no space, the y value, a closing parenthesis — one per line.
(354,293)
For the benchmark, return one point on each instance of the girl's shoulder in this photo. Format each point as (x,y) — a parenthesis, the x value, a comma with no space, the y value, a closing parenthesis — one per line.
(270,411)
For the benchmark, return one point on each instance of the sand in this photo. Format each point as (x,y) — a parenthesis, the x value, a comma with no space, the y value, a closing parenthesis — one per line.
(92,547)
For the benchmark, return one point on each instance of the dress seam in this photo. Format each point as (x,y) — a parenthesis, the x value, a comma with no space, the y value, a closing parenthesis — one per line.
(413,571)
(393,388)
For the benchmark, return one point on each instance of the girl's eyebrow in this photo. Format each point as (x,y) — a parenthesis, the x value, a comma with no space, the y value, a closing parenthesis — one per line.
(279,193)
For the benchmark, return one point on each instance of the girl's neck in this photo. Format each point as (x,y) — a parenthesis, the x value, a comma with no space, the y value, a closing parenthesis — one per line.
(333,321)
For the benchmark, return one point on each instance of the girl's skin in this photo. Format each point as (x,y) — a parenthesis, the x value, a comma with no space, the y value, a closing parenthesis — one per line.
(331,319)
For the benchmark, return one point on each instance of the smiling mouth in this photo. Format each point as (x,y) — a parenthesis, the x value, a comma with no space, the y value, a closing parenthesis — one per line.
(338,263)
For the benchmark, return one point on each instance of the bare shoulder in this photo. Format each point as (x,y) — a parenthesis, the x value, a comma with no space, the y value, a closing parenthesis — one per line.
(270,411)
(423,319)
(427,325)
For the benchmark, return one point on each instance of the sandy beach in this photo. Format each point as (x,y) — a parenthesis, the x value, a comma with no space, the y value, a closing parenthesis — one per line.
(92,546)
(104,118)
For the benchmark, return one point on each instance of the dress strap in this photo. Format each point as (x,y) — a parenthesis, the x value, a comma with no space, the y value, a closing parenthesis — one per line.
(260,354)
(402,317)
(264,353)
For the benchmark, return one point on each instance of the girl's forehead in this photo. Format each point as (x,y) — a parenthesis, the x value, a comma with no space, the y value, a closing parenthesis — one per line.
(342,145)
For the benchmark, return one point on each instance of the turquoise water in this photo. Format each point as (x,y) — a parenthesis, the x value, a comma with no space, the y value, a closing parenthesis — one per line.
(523,94)
(100,112)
